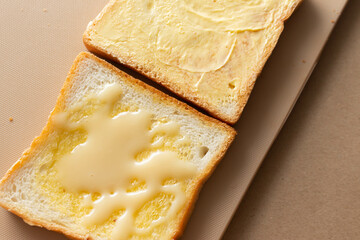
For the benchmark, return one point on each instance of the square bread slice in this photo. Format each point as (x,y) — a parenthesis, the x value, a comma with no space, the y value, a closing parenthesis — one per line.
(117,159)
(208,52)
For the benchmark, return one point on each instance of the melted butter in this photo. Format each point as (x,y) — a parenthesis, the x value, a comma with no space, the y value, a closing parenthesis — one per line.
(170,129)
(105,164)
(196,36)
(234,16)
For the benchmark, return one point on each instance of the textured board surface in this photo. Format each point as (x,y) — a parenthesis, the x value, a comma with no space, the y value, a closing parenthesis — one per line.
(38,43)
(308,184)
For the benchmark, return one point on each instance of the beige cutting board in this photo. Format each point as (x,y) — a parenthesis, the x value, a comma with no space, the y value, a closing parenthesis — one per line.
(38,43)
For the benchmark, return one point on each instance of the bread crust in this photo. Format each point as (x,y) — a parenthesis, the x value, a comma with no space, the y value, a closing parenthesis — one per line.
(140,86)
(183,93)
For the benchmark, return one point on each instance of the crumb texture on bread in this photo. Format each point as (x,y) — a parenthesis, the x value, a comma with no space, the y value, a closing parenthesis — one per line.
(33,187)
(209,52)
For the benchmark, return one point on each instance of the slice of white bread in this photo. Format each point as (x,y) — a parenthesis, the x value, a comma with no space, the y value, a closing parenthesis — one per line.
(30,189)
(208,52)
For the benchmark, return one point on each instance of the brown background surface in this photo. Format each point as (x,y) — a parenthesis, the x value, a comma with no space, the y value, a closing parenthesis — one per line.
(309,184)
(39,40)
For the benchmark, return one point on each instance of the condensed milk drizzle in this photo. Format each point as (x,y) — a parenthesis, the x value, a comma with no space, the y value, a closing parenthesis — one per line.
(105,164)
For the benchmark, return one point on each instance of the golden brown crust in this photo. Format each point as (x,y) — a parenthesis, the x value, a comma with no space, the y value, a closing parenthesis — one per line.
(267,53)
(44,224)
(31,151)
(206,120)
(200,182)
(188,96)
(164,97)
(141,86)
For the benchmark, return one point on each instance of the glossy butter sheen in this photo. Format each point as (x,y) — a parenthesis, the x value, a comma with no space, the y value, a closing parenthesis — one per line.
(193,36)
(106,162)
(197,36)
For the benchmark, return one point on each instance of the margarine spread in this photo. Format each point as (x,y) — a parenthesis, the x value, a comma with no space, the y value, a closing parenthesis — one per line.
(105,164)
(197,36)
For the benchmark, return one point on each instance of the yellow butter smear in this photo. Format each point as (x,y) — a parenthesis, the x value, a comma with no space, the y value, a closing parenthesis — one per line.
(197,36)
(122,168)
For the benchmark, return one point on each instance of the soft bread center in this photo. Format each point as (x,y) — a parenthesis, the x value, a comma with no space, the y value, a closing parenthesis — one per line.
(106,163)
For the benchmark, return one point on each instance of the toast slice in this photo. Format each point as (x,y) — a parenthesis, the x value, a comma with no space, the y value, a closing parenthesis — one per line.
(208,52)
(117,159)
